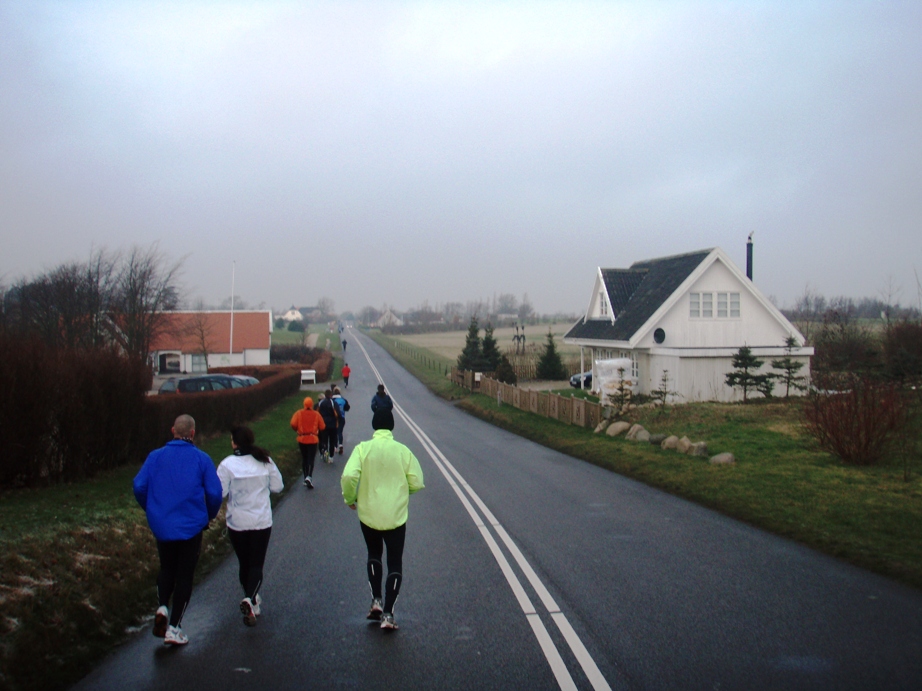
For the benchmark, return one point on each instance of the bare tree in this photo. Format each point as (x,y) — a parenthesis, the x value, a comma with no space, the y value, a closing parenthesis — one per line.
(200,329)
(325,305)
(146,289)
(507,303)
(67,306)
(368,315)
(525,309)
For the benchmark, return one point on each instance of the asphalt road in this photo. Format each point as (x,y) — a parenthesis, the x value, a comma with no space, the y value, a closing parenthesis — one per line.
(528,569)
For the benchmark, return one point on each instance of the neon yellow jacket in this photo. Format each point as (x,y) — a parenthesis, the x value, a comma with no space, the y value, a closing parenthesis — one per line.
(379,478)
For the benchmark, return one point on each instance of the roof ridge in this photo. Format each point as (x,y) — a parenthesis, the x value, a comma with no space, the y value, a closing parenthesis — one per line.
(707,250)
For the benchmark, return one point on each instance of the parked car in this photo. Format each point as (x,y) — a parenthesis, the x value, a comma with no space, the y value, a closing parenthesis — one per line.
(586,377)
(205,382)
(246,380)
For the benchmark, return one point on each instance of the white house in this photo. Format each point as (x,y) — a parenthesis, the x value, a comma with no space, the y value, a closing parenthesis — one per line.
(293,314)
(687,314)
(388,319)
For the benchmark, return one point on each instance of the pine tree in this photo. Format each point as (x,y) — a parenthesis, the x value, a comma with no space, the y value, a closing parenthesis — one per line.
(471,357)
(790,368)
(505,372)
(744,375)
(550,366)
(490,350)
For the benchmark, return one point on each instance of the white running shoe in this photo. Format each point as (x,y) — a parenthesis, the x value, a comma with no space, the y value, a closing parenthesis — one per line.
(257,601)
(387,622)
(308,482)
(175,636)
(161,621)
(248,612)
(374,613)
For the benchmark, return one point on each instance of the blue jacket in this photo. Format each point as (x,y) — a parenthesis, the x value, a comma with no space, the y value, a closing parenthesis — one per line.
(379,402)
(179,489)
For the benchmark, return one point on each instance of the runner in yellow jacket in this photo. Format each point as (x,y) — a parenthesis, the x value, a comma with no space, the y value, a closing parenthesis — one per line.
(378,479)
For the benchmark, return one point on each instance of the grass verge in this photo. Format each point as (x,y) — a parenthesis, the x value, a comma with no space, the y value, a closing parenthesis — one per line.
(78,564)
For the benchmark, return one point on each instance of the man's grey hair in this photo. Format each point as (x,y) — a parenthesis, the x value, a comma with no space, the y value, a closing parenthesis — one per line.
(184,426)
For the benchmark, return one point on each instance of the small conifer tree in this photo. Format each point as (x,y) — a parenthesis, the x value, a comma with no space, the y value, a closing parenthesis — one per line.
(790,368)
(490,350)
(471,357)
(745,374)
(550,366)
(505,372)
(662,394)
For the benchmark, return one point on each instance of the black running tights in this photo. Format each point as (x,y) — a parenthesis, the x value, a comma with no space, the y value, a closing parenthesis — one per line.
(250,547)
(308,454)
(376,541)
(177,567)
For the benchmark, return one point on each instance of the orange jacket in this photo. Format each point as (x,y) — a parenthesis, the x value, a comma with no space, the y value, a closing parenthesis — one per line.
(307,423)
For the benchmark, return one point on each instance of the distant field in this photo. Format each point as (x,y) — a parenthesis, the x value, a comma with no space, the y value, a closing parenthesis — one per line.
(450,344)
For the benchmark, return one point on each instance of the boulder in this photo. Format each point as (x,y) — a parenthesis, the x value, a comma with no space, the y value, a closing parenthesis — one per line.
(601,426)
(642,435)
(632,432)
(725,458)
(616,428)
(657,439)
(670,442)
(683,445)
(699,448)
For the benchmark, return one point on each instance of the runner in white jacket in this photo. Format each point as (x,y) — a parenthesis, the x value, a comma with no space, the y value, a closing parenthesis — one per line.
(247,477)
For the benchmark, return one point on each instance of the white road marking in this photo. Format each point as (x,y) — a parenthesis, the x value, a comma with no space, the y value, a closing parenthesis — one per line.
(457,482)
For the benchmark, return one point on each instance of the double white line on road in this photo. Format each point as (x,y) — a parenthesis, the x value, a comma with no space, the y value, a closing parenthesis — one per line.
(463,491)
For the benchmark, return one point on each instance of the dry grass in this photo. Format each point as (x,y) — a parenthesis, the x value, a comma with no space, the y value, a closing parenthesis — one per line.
(449,344)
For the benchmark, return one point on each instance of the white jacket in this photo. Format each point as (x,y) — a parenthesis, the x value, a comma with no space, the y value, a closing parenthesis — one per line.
(246,483)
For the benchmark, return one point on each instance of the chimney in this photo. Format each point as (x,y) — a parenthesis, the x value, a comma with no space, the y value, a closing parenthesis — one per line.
(749,257)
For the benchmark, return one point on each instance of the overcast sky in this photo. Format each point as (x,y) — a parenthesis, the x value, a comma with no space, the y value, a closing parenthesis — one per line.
(400,152)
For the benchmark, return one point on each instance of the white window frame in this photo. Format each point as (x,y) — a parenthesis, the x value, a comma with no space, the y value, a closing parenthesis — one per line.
(703,305)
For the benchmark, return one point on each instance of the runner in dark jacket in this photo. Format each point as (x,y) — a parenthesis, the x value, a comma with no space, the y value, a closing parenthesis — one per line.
(330,414)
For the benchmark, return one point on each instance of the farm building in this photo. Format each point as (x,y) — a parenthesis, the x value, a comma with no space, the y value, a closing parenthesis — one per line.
(686,315)
(195,341)
(388,319)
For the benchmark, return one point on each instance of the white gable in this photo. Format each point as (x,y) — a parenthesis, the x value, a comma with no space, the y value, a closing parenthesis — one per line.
(758,323)
(599,305)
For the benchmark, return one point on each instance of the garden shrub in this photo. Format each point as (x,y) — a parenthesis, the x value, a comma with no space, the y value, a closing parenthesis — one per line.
(856,422)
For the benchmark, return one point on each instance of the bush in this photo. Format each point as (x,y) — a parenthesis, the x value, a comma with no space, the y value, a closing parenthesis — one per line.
(902,346)
(550,367)
(67,414)
(856,424)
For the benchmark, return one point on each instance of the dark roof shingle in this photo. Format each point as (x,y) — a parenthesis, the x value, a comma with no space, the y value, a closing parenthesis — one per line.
(636,293)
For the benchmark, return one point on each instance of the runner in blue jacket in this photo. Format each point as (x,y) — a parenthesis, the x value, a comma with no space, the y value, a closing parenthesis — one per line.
(179,489)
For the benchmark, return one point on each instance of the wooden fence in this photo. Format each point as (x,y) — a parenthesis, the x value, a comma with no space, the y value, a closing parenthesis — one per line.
(568,409)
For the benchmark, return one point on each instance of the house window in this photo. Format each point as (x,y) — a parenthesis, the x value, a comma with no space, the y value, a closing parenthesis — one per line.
(199,364)
(707,304)
(702,305)
(603,304)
